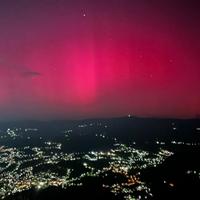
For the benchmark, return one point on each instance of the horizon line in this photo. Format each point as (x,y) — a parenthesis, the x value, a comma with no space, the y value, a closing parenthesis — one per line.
(102,118)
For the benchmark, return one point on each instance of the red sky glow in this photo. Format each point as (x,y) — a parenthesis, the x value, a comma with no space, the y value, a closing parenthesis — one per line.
(87,58)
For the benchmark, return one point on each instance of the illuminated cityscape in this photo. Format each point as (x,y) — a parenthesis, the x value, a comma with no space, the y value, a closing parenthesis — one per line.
(39,162)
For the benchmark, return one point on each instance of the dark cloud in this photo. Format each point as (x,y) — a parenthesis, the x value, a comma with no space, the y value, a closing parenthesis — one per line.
(30,74)
(22,70)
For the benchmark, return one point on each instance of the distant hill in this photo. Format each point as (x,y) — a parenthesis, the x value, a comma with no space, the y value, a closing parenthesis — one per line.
(126,128)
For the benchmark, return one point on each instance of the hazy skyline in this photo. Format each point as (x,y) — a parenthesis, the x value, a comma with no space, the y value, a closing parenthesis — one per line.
(71,59)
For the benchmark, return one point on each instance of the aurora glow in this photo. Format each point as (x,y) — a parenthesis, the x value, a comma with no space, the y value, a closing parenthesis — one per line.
(98,58)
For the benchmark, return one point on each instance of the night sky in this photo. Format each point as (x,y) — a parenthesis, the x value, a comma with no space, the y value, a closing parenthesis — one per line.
(72,59)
